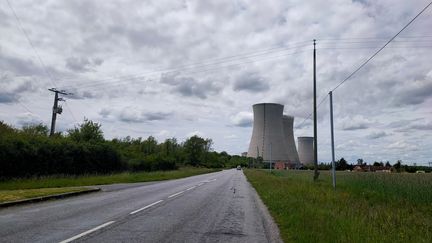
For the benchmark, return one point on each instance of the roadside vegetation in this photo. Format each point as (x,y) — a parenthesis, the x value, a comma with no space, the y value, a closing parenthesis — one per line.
(29,152)
(90,180)
(17,195)
(34,164)
(366,207)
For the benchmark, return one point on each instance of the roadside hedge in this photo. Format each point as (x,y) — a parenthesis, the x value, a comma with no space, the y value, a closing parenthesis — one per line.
(39,156)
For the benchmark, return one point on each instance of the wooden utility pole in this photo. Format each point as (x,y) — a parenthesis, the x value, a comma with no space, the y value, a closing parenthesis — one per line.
(56,108)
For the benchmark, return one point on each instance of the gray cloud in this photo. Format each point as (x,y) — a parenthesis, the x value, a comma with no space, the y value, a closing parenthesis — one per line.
(157,116)
(147,37)
(422,126)
(242,119)
(83,64)
(356,122)
(376,135)
(250,82)
(415,93)
(132,115)
(19,66)
(82,94)
(13,87)
(8,97)
(190,87)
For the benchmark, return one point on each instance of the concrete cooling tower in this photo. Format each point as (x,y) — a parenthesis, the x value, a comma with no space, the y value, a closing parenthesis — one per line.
(306,150)
(267,129)
(287,123)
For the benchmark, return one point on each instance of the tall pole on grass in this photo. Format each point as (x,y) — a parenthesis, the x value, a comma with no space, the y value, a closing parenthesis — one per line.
(316,173)
(270,157)
(332,140)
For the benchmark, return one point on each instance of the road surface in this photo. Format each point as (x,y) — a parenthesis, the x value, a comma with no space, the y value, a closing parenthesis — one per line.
(216,207)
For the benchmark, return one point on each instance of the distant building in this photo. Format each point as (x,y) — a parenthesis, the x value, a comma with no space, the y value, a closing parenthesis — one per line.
(280,165)
(371,168)
(244,154)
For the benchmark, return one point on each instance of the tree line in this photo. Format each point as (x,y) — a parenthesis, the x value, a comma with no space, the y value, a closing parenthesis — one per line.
(398,166)
(29,152)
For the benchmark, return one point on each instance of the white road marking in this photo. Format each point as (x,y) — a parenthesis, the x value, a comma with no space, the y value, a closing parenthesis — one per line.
(138,210)
(200,184)
(87,232)
(190,188)
(175,194)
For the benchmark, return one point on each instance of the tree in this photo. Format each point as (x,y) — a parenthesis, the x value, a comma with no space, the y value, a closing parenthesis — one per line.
(6,129)
(342,164)
(149,146)
(378,163)
(88,131)
(39,129)
(360,162)
(398,165)
(196,148)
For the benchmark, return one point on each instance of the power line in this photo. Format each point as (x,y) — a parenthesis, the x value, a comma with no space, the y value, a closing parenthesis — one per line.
(31,43)
(190,67)
(25,107)
(116,82)
(376,53)
(310,115)
(373,38)
(284,47)
(374,47)
(49,75)
(70,111)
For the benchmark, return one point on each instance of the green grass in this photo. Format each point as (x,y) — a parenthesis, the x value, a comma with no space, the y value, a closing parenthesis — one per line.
(89,180)
(16,195)
(366,207)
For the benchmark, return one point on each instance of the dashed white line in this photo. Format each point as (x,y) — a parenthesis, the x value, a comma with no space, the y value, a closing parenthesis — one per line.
(175,194)
(87,232)
(190,188)
(200,184)
(138,210)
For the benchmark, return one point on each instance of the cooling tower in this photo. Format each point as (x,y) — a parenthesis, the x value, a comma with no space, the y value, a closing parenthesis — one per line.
(305,150)
(287,123)
(267,129)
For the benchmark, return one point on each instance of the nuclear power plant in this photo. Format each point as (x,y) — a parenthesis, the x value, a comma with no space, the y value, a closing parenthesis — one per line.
(305,150)
(273,135)
(288,129)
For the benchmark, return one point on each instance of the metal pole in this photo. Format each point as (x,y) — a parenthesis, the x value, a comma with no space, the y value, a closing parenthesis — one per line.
(332,140)
(316,173)
(270,156)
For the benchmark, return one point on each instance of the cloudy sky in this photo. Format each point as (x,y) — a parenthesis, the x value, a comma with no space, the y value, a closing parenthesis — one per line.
(178,68)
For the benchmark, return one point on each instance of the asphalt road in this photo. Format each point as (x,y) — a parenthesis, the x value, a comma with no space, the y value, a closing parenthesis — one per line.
(216,207)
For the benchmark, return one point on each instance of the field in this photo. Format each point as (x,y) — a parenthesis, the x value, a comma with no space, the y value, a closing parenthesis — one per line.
(365,207)
(17,189)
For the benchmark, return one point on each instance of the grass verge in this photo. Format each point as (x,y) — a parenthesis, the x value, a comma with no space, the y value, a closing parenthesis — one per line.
(366,207)
(17,195)
(90,180)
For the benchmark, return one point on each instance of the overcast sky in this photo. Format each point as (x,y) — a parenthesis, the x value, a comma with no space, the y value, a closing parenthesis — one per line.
(178,68)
